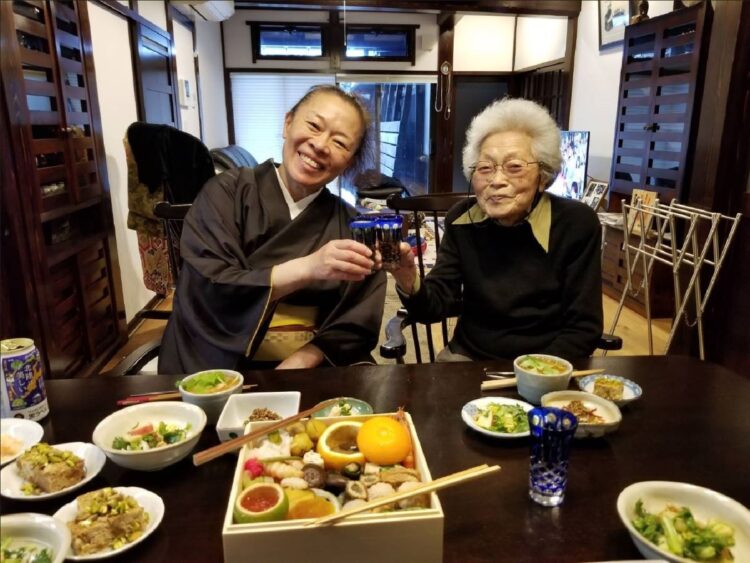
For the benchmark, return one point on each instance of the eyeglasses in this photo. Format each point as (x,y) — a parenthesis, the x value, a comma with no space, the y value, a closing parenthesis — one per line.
(512,168)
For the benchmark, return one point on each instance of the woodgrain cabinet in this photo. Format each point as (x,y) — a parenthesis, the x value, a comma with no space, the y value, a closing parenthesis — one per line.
(56,197)
(661,83)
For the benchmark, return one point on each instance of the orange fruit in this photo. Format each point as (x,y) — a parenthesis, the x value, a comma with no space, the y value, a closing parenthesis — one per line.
(314,507)
(337,444)
(384,441)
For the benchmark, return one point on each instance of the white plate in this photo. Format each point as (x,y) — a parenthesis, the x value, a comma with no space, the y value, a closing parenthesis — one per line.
(471,408)
(93,460)
(151,503)
(703,503)
(27,432)
(630,389)
(604,408)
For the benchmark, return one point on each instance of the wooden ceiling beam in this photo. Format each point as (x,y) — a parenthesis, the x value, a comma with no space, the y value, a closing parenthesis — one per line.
(569,8)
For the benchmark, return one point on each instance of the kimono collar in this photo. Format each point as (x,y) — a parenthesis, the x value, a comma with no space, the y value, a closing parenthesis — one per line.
(540,219)
(295,207)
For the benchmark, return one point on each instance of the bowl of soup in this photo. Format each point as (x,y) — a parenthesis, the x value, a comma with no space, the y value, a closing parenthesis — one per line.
(537,374)
(210,390)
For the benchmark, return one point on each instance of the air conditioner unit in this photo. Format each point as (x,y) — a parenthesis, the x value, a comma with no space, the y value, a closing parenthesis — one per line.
(206,10)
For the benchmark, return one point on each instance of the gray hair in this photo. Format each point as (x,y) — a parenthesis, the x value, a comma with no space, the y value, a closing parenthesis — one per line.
(524,116)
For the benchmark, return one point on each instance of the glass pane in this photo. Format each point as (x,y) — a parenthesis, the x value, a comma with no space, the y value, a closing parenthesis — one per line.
(401,127)
(291,42)
(377,44)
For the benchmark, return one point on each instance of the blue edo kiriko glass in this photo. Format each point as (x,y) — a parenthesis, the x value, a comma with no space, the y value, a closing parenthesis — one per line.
(551,432)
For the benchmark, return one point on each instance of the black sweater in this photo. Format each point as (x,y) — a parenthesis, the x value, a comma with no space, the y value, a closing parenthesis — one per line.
(514,297)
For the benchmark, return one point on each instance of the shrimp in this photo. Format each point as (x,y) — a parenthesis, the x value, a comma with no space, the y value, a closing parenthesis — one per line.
(280,470)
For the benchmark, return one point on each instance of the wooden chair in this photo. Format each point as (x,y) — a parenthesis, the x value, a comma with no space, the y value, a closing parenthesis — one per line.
(422,208)
(172,216)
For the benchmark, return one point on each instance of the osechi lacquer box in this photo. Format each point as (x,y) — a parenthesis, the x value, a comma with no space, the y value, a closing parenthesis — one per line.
(406,536)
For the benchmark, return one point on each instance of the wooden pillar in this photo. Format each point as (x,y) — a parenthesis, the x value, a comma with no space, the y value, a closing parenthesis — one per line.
(443,156)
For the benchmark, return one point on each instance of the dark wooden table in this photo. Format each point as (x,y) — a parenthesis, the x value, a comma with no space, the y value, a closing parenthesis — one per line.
(691,425)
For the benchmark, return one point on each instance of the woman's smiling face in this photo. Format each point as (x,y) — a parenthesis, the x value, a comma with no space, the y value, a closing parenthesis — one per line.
(507,199)
(320,140)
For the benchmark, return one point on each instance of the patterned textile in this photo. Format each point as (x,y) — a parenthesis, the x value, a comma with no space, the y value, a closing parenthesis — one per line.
(155,261)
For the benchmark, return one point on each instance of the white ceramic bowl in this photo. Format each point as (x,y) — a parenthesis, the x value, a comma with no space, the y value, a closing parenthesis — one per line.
(211,403)
(232,420)
(703,503)
(46,530)
(604,408)
(531,385)
(119,422)
(631,391)
(26,432)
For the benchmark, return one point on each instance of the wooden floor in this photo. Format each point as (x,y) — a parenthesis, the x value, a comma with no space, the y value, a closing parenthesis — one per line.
(631,327)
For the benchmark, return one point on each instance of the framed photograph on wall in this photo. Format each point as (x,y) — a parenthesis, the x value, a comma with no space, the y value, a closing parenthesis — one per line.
(614,15)
(595,193)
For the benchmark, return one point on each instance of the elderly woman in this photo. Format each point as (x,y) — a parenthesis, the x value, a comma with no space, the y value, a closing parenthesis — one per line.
(523,265)
(269,274)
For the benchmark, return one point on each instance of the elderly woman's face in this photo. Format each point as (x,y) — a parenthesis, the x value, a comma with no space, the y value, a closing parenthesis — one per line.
(506,196)
(320,140)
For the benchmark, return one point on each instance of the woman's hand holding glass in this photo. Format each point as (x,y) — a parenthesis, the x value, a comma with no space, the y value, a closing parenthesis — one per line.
(344,260)
(406,273)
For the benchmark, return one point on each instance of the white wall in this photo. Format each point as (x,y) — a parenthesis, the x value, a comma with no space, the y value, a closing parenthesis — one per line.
(596,84)
(483,43)
(183,47)
(211,78)
(539,40)
(238,50)
(115,86)
(154,11)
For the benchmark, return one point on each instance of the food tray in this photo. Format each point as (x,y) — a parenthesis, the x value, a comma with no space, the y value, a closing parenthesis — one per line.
(402,536)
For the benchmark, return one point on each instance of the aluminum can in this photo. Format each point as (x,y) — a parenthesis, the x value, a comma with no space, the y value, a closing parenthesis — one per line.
(22,387)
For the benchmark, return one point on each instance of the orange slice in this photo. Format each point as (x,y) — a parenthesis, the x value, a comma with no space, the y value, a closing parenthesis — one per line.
(337,445)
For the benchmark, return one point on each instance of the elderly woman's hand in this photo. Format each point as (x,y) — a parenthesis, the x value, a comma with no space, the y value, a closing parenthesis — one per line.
(406,273)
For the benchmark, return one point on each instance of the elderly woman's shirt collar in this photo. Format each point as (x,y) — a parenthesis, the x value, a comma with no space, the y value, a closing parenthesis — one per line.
(540,219)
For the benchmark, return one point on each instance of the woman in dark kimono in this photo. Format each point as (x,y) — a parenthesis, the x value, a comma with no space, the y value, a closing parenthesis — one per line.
(269,274)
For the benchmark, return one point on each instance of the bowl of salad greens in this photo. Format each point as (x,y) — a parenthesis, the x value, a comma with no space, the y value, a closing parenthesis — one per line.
(150,436)
(210,390)
(498,417)
(680,522)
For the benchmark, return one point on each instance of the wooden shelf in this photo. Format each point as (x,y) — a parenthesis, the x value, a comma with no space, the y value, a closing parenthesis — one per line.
(68,209)
(56,253)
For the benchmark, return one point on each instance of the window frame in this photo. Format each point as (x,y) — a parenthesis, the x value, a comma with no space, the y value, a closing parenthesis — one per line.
(333,37)
(257,26)
(409,30)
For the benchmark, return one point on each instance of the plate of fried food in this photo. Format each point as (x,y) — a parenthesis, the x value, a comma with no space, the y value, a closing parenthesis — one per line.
(109,521)
(614,388)
(43,472)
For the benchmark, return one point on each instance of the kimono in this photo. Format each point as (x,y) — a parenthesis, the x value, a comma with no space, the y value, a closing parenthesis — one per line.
(237,230)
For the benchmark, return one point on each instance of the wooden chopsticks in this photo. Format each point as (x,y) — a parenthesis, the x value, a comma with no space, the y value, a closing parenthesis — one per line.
(160,396)
(511,381)
(212,453)
(443,482)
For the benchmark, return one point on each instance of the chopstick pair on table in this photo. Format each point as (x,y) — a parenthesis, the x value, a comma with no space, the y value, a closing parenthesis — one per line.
(493,384)
(160,396)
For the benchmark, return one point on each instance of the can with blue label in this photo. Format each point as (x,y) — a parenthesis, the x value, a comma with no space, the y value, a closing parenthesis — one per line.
(22,388)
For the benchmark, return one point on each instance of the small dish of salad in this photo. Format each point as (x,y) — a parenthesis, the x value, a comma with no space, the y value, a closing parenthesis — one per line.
(499,417)
(345,406)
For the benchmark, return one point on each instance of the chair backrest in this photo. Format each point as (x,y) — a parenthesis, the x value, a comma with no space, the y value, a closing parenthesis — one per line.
(232,156)
(172,216)
(425,209)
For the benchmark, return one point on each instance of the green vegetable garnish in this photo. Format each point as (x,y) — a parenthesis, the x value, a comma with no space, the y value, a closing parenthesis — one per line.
(675,530)
(209,382)
(510,419)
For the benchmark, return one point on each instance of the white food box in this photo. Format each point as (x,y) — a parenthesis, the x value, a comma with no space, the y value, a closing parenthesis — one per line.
(407,536)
